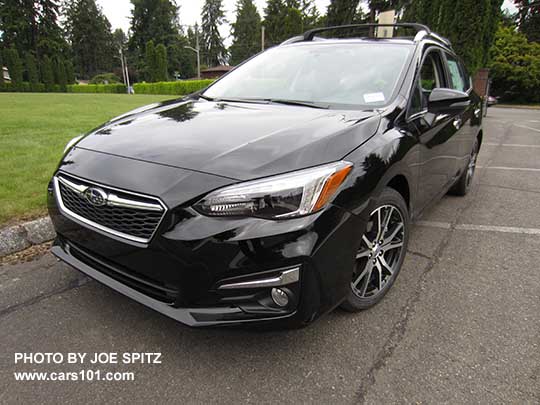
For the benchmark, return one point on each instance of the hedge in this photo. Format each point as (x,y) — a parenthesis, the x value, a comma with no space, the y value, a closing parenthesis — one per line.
(166,88)
(96,88)
(173,88)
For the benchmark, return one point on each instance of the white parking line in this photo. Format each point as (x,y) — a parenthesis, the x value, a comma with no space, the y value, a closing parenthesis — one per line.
(526,169)
(484,228)
(526,127)
(514,145)
(434,224)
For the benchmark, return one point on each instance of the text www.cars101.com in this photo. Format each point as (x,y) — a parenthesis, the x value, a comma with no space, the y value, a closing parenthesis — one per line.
(82,375)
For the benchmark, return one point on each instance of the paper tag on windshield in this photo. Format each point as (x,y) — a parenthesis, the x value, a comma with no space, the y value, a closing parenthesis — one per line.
(373,97)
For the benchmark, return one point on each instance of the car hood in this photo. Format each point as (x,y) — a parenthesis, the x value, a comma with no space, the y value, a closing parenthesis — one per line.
(240,141)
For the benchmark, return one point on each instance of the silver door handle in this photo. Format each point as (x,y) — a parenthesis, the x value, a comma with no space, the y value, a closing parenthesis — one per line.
(457,123)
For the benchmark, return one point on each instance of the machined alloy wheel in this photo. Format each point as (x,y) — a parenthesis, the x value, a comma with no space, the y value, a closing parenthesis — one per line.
(378,257)
(381,252)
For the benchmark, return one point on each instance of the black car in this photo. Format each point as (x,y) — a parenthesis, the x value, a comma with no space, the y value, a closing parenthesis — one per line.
(282,191)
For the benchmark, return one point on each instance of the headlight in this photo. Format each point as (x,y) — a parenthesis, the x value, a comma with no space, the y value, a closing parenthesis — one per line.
(71,143)
(284,196)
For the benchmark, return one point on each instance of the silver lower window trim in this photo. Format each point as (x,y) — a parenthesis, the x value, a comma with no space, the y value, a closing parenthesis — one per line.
(141,242)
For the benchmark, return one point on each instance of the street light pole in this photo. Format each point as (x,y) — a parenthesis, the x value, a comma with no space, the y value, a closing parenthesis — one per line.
(197,50)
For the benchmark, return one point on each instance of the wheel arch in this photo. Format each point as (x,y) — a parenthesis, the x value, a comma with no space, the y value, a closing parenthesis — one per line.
(400,183)
(480,136)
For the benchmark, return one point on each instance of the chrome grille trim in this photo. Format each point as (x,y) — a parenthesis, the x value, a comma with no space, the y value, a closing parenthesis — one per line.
(115,201)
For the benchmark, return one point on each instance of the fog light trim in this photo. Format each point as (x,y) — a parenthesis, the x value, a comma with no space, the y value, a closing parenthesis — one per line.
(286,277)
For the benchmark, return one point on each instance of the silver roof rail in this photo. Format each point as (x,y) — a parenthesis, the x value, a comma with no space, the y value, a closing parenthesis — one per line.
(438,37)
(420,35)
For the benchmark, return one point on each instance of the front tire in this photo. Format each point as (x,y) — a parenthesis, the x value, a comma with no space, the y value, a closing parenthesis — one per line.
(382,250)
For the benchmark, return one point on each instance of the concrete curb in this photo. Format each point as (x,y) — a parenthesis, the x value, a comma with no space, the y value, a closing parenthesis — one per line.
(19,237)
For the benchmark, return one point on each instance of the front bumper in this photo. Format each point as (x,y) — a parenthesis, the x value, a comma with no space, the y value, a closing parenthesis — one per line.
(200,316)
(184,271)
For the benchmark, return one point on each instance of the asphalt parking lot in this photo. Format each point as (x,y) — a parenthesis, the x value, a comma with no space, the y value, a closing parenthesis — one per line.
(461,325)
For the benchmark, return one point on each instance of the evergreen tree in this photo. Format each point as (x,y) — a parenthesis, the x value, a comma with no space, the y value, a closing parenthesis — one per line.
(1,67)
(89,33)
(150,62)
(18,24)
(50,39)
(246,32)
(310,15)
(161,63)
(293,23)
(212,43)
(153,20)
(119,39)
(31,69)
(469,24)
(47,75)
(341,12)
(14,65)
(59,72)
(70,73)
(283,19)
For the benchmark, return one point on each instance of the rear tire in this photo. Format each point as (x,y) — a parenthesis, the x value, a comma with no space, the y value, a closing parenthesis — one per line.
(463,184)
(381,253)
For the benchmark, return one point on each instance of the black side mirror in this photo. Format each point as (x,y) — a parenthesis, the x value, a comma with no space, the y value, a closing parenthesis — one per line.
(448,101)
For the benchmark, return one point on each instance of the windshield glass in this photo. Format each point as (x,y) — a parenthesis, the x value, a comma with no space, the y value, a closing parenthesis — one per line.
(345,74)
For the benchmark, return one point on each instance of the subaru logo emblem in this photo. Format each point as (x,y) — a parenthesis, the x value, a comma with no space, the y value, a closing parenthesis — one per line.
(96,196)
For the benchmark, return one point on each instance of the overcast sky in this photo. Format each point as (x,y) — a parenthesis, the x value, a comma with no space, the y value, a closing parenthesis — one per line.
(119,11)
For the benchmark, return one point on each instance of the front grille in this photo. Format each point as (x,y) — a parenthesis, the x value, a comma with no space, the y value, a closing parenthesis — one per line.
(126,215)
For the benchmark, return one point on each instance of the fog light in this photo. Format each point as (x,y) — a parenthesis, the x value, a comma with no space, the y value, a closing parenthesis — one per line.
(280,297)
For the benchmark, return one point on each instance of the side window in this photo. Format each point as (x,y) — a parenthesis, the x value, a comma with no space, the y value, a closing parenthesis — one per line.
(460,80)
(431,76)
(416,105)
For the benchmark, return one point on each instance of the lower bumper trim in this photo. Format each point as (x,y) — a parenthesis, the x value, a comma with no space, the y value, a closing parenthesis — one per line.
(189,316)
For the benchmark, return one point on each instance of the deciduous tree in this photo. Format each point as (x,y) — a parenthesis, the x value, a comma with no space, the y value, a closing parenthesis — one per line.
(515,66)
(528,18)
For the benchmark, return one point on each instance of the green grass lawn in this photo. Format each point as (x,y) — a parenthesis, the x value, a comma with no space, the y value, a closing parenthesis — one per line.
(34,128)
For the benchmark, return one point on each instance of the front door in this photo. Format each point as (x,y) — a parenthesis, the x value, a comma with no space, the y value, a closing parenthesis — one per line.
(439,148)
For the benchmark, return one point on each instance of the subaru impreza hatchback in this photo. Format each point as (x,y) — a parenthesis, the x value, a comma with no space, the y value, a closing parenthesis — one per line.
(282,191)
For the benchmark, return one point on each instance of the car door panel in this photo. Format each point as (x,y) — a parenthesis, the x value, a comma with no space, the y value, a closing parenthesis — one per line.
(439,149)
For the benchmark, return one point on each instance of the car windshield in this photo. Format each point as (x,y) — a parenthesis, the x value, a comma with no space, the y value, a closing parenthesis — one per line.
(350,74)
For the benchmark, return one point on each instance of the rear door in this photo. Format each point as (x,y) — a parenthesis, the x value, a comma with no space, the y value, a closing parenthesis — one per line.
(469,119)
(439,148)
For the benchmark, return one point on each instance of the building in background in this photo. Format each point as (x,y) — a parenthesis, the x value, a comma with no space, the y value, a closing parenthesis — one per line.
(386,17)
(215,72)
(5,73)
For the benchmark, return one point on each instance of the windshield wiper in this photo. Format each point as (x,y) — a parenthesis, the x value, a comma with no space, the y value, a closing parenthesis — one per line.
(311,104)
(206,97)
(235,99)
